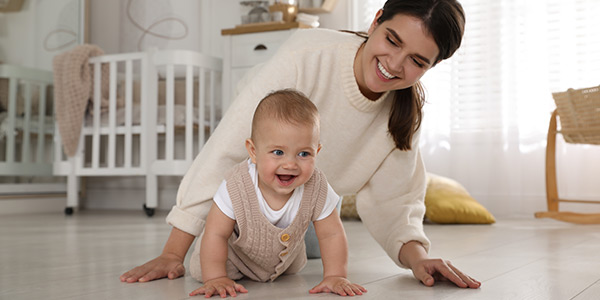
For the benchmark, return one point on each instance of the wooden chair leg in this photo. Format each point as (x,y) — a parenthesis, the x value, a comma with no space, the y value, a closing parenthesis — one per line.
(551,185)
(571,217)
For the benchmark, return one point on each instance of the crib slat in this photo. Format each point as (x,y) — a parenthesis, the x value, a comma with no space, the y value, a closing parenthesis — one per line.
(169,139)
(148,92)
(112,115)
(128,111)
(96,117)
(58,153)
(202,109)
(26,138)
(41,129)
(12,113)
(189,113)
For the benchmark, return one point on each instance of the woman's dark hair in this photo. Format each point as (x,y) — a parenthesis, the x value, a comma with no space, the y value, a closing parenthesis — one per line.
(445,21)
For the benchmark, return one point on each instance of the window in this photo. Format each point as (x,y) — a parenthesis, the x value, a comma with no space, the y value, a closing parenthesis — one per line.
(488,106)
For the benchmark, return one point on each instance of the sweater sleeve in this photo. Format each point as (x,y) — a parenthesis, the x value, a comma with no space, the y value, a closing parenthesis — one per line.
(391,204)
(225,147)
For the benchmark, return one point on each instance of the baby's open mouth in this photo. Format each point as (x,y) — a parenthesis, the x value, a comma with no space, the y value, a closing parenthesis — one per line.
(286,179)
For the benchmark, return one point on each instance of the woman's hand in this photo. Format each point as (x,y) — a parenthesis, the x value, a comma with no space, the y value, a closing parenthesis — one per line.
(338,285)
(219,286)
(428,271)
(166,265)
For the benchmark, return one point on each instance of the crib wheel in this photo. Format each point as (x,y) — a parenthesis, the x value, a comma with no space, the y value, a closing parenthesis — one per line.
(68,211)
(149,211)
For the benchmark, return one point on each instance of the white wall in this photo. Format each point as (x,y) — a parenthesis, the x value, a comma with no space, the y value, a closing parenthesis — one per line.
(128,26)
(112,29)
(15,47)
(41,29)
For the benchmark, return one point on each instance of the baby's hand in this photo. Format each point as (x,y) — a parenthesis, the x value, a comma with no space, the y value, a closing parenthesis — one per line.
(219,286)
(338,285)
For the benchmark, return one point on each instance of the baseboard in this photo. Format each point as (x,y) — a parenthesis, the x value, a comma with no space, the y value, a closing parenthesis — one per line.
(32,188)
(31,205)
(126,198)
(27,198)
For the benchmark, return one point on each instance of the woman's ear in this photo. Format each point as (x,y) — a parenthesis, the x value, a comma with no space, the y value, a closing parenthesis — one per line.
(375,22)
(251,150)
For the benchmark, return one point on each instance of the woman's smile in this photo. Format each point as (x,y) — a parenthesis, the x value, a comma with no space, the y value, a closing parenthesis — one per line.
(383,73)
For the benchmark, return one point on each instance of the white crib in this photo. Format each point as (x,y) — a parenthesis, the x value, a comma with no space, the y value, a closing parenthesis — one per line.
(171,105)
(26,121)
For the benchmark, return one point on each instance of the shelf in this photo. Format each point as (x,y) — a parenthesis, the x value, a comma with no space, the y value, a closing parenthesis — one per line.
(260,27)
(11,5)
(326,7)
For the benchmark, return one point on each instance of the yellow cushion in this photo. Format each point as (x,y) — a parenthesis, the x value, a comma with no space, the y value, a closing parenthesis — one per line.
(448,202)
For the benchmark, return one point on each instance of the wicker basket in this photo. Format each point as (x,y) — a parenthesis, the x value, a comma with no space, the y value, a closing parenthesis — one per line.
(579,113)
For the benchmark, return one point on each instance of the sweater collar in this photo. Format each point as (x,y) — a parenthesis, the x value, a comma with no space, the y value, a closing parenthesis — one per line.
(347,53)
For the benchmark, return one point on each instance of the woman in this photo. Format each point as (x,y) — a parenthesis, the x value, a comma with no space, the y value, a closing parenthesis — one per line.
(368,93)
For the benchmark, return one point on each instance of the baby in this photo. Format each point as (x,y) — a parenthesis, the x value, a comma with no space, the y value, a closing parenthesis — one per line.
(262,209)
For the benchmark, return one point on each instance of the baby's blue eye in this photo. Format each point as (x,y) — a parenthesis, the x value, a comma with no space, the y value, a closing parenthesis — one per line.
(304,154)
(277,152)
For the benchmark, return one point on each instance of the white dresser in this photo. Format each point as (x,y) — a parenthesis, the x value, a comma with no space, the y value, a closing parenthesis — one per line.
(243,51)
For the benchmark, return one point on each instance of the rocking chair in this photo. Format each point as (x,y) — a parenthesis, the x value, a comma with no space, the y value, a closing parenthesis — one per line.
(579,114)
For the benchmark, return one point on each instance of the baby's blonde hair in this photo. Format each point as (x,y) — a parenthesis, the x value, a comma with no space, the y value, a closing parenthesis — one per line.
(288,105)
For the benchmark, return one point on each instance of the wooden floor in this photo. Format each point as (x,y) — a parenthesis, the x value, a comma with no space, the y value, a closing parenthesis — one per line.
(50,256)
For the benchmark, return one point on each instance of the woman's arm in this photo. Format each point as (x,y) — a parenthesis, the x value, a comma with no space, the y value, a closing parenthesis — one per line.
(392,207)
(391,204)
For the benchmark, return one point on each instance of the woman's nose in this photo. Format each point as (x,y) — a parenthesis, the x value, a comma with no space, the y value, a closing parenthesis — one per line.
(396,63)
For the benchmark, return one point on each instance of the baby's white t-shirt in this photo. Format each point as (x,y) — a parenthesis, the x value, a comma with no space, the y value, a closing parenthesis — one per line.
(281,218)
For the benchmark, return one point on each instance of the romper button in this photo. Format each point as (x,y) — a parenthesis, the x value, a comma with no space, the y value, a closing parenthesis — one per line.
(285,237)
(283,254)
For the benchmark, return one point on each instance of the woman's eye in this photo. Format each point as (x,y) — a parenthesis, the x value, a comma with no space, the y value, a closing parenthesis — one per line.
(391,41)
(420,65)
(277,152)
(304,154)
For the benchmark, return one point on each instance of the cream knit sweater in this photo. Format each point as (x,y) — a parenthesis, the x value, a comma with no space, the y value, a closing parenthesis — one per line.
(358,155)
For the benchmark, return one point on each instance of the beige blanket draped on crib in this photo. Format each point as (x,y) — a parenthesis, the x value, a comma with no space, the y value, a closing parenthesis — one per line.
(73,79)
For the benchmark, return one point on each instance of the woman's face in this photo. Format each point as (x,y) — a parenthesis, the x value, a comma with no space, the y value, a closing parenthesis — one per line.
(398,52)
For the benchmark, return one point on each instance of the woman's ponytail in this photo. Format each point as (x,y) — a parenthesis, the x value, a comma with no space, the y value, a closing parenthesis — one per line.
(406,115)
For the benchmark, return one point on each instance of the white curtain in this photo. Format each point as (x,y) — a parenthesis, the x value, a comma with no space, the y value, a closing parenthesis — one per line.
(488,107)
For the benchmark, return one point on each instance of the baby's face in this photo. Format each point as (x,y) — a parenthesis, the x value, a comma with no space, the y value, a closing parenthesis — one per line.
(284,155)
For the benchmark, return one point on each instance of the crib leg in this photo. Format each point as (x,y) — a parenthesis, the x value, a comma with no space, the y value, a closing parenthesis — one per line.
(72,194)
(151,195)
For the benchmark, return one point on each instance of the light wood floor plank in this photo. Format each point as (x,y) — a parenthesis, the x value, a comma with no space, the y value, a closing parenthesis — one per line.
(591,293)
